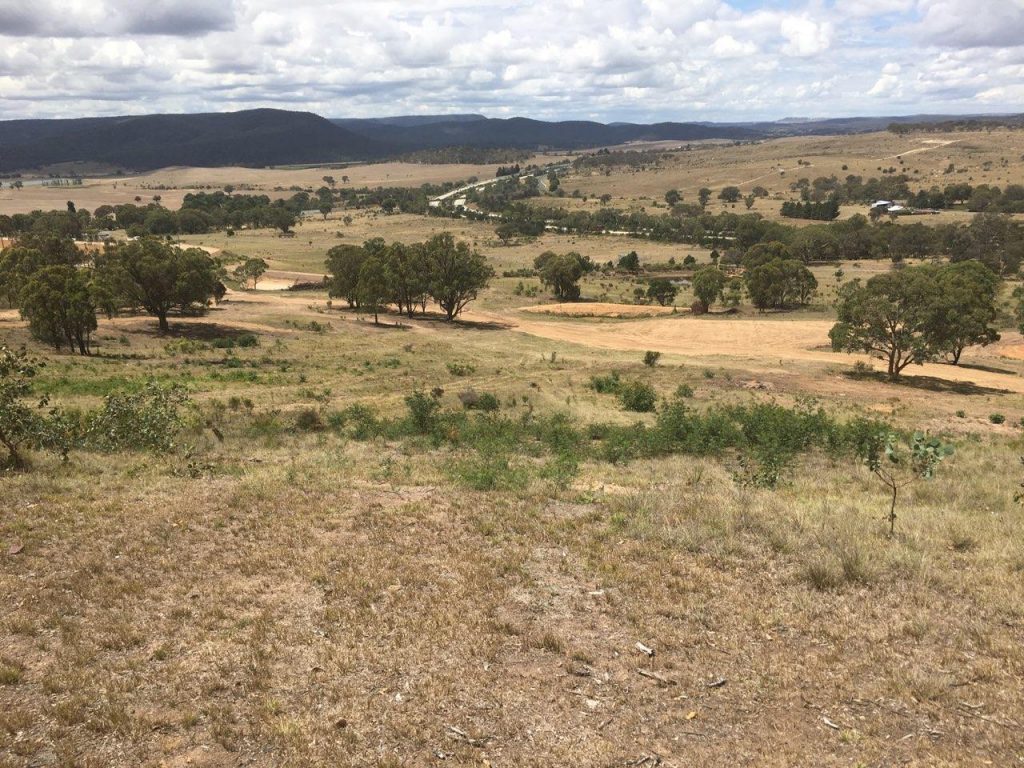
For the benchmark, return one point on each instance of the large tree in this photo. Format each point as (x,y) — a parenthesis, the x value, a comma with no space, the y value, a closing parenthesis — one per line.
(407,268)
(457,273)
(889,317)
(562,273)
(708,283)
(965,308)
(373,286)
(157,277)
(662,290)
(344,263)
(251,269)
(778,283)
(59,305)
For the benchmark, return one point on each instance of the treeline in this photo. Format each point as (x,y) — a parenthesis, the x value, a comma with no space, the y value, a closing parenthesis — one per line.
(497,197)
(994,239)
(967,124)
(375,275)
(60,289)
(203,212)
(823,211)
(465,156)
(605,158)
(982,198)
(852,189)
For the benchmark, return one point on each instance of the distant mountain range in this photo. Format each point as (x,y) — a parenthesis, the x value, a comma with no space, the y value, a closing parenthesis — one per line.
(262,137)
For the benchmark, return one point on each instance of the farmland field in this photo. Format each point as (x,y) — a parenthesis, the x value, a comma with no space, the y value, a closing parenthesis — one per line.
(304,579)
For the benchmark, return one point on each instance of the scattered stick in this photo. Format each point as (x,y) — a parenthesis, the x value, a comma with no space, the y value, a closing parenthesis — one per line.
(1008,725)
(645,760)
(644,649)
(716,683)
(830,724)
(656,676)
(460,735)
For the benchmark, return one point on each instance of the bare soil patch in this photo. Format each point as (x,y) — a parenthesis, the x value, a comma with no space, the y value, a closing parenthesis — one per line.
(599,309)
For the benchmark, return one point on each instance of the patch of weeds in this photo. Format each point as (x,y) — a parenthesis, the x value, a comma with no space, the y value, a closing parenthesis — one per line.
(309,420)
(479,401)
(489,472)
(460,369)
(11,671)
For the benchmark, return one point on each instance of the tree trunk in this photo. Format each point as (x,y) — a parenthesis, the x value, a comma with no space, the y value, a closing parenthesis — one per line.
(956,355)
(892,512)
(14,458)
(162,320)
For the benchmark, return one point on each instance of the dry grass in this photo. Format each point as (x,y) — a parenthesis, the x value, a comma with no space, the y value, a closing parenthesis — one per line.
(300,598)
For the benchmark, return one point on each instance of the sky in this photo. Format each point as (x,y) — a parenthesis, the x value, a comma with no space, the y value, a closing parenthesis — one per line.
(606,60)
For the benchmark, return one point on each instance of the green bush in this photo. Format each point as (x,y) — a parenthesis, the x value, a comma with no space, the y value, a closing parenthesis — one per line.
(996,418)
(638,396)
(422,411)
(145,420)
(606,385)
(651,358)
(684,391)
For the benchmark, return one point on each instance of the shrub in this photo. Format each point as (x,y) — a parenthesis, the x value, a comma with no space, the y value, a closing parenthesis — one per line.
(996,418)
(20,424)
(145,420)
(638,396)
(474,401)
(460,369)
(308,420)
(684,391)
(422,411)
(606,385)
(651,358)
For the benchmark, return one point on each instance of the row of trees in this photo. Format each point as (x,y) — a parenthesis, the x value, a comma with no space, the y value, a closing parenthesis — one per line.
(918,314)
(60,290)
(826,210)
(375,275)
(978,199)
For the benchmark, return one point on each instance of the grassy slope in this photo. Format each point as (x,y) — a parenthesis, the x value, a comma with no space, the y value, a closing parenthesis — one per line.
(294,598)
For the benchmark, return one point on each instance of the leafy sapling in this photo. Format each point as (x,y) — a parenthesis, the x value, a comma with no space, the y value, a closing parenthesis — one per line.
(899,463)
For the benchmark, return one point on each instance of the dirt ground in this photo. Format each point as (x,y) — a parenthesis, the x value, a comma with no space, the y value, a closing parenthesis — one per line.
(599,309)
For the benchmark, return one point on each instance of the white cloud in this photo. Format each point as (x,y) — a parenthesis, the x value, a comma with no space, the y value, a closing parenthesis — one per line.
(805,37)
(613,59)
(728,47)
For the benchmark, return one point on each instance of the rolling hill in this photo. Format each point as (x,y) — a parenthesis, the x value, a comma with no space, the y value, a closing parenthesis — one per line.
(262,137)
(251,138)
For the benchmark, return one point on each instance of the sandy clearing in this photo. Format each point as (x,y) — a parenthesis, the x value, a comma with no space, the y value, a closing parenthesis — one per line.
(763,345)
(598,309)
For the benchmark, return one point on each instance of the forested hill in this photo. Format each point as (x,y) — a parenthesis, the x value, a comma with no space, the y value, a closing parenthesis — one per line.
(524,133)
(253,138)
(261,137)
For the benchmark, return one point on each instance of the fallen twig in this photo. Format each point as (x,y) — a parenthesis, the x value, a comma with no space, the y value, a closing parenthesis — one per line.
(655,676)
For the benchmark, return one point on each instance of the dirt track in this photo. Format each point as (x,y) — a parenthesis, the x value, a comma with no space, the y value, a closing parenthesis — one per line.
(759,344)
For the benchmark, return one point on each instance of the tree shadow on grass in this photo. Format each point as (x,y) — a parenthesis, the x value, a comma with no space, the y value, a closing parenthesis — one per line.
(986,368)
(202,331)
(929,383)
(473,325)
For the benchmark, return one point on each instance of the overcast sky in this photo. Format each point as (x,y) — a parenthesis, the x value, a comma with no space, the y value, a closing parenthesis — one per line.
(642,60)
